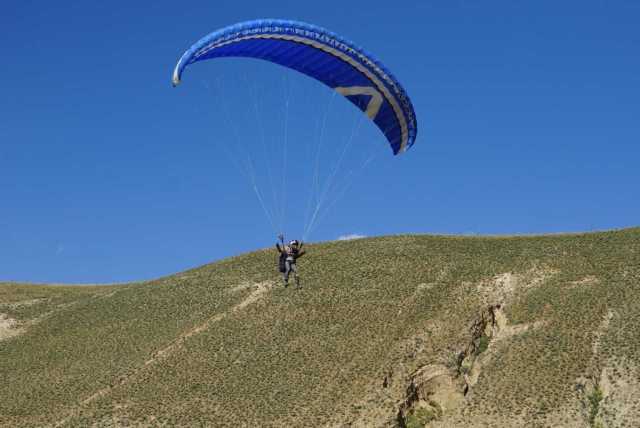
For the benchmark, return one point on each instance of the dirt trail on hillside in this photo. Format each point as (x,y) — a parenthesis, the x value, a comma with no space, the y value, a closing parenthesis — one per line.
(259,289)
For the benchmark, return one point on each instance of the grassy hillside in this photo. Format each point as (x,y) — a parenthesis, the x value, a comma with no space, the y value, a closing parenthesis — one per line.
(394,331)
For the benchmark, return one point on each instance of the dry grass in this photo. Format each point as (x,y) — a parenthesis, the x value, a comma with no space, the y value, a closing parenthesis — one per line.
(340,350)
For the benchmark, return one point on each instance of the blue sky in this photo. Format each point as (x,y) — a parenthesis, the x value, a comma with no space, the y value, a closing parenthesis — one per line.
(527,111)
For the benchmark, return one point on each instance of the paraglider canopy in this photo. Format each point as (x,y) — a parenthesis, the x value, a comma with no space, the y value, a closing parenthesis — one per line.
(322,55)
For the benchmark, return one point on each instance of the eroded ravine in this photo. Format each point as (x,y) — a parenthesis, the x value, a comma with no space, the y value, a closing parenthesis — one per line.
(435,389)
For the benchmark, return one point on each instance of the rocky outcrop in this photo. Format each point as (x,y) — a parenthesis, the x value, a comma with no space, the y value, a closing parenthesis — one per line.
(435,389)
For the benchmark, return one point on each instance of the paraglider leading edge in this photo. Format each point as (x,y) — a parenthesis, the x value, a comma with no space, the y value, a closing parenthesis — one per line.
(324,56)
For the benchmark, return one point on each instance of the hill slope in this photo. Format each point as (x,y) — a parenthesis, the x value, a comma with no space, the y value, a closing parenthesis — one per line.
(407,330)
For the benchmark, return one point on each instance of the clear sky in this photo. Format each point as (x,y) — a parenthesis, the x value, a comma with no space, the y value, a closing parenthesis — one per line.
(527,115)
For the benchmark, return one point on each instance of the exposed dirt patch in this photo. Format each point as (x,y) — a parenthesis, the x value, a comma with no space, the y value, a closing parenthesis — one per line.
(16,305)
(433,390)
(586,281)
(108,294)
(241,287)
(424,286)
(9,327)
(620,385)
(502,288)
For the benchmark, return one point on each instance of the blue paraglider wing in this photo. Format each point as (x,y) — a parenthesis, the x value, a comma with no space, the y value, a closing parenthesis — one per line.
(326,57)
